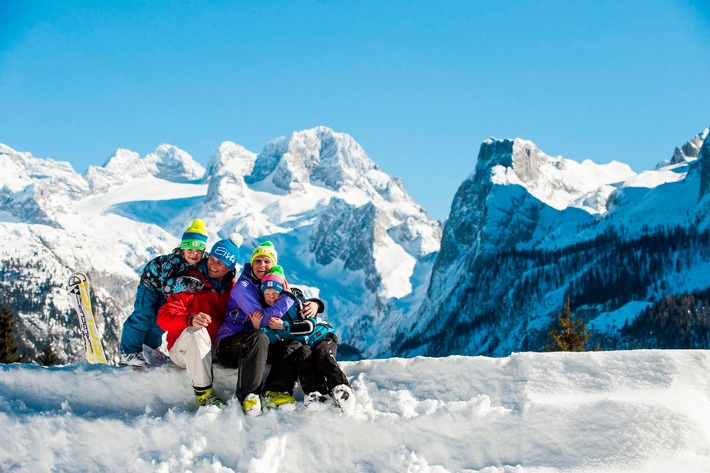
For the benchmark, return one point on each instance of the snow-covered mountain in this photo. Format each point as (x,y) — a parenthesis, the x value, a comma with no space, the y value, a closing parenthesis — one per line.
(528,231)
(344,230)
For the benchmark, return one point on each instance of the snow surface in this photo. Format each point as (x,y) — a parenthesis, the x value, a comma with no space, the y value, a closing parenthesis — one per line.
(633,411)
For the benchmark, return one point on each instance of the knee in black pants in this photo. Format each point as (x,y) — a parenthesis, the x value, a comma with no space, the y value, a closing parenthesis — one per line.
(327,347)
(232,349)
(229,351)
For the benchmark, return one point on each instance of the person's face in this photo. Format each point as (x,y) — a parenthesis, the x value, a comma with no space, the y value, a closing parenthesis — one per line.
(215,268)
(271,296)
(261,265)
(193,256)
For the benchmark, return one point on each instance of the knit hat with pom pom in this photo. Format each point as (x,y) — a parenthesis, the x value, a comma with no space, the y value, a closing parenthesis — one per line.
(267,249)
(195,237)
(227,250)
(274,279)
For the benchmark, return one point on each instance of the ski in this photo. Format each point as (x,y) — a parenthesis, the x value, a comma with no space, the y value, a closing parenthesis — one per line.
(79,295)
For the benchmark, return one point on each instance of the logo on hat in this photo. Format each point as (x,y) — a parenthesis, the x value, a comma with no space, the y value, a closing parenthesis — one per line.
(222,253)
(195,236)
(227,250)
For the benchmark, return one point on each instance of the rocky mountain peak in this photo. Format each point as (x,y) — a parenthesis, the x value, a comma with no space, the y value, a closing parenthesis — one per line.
(493,152)
(316,156)
(166,162)
(173,164)
(226,169)
(554,180)
(36,190)
(230,159)
(691,149)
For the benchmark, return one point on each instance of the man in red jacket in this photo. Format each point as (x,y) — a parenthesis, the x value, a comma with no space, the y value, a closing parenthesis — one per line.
(192,317)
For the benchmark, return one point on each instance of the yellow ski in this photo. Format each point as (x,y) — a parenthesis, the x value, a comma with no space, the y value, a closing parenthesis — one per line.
(79,295)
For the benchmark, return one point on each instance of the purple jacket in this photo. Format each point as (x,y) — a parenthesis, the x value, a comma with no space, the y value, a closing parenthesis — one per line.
(244,300)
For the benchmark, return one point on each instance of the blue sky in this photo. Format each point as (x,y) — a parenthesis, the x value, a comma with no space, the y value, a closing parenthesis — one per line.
(419,84)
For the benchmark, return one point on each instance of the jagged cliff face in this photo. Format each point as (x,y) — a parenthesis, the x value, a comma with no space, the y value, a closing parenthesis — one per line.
(704,158)
(527,231)
(689,150)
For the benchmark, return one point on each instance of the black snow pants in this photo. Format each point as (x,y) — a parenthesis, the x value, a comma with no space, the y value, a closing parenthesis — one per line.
(317,368)
(250,352)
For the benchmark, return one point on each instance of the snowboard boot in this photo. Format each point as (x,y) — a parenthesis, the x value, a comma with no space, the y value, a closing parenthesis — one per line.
(251,405)
(285,401)
(316,401)
(207,397)
(343,397)
(135,360)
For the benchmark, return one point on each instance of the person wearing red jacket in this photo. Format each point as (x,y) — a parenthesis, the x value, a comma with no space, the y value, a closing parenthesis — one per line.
(192,317)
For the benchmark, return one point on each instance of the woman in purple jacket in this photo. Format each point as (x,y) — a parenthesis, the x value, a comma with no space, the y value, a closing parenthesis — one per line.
(241,344)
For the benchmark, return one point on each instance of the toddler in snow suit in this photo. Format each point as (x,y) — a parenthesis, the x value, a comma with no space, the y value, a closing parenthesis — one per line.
(192,317)
(161,277)
(322,380)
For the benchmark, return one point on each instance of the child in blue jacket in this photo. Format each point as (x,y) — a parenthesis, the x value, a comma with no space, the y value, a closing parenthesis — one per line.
(161,277)
(318,372)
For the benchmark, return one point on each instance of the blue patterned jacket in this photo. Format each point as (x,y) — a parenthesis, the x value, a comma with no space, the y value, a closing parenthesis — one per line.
(164,274)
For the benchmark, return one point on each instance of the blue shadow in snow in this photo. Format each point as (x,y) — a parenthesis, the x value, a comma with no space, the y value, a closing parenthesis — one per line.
(158,212)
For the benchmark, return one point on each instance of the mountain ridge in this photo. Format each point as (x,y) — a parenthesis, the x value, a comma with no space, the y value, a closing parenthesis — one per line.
(395,281)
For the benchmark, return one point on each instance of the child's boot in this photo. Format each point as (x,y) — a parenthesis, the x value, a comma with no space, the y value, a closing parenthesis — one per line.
(344,397)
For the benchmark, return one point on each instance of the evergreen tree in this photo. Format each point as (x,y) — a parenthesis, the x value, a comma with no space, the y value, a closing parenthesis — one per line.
(9,348)
(48,357)
(570,334)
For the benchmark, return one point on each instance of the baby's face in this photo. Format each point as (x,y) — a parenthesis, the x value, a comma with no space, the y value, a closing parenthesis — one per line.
(271,296)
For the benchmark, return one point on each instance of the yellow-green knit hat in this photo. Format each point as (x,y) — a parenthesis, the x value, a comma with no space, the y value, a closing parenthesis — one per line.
(195,237)
(267,249)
